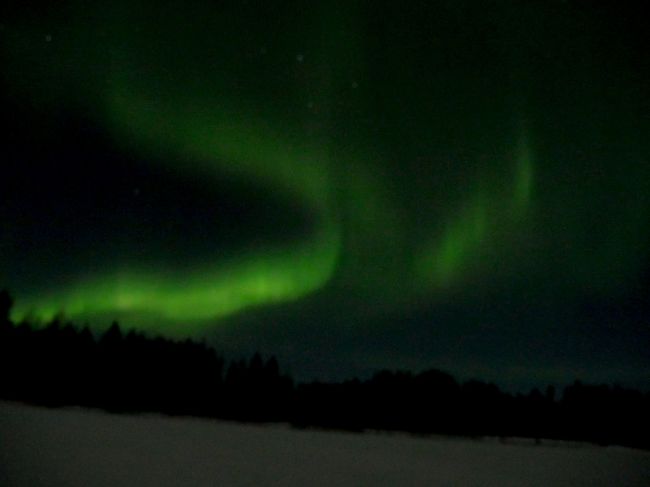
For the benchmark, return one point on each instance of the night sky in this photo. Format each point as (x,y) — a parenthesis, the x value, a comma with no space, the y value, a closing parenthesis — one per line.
(349,185)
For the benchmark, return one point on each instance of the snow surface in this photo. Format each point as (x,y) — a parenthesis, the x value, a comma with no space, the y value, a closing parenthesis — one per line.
(74,447)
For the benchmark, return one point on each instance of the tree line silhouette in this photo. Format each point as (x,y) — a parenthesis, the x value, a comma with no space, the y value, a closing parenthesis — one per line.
(62,365)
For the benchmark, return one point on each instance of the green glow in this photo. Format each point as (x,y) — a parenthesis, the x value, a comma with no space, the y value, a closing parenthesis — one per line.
(360,238)
(452,254)
(219,289)
(317,129)
(210,293)
(210,139)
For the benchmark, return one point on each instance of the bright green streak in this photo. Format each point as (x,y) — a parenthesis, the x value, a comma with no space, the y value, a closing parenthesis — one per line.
(210,293)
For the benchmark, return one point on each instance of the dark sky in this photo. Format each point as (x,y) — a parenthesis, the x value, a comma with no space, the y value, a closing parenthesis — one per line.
(348,185)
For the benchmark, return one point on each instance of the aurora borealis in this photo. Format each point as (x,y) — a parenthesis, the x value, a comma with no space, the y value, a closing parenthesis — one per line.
(360,183)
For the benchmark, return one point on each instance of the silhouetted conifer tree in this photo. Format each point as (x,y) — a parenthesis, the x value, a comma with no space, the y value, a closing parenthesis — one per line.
(6,302)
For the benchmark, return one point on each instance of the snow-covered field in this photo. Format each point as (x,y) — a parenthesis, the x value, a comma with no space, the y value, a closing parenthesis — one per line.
(72,447)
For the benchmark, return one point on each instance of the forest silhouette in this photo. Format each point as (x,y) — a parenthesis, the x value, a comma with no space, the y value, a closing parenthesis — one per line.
(64,365)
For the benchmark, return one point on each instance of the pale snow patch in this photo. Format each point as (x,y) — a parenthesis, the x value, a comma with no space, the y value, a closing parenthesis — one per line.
(74,447)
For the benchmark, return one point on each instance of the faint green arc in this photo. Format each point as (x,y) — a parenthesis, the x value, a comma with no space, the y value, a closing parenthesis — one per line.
(267,276)
(445,259)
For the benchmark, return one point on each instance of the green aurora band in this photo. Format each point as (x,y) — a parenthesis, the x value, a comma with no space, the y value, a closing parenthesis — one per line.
(148,102)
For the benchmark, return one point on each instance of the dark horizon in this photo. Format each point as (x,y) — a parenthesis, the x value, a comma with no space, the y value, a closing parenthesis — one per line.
(130,373)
